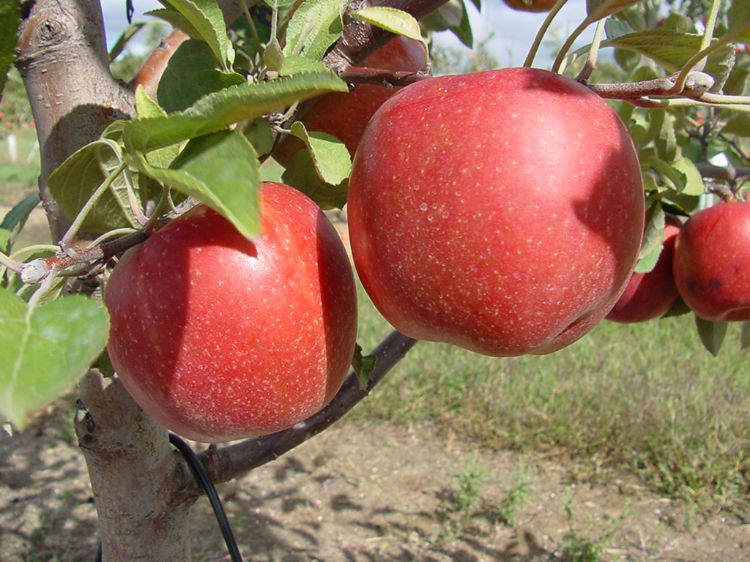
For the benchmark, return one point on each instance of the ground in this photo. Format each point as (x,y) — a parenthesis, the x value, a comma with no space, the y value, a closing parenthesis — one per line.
(375,493)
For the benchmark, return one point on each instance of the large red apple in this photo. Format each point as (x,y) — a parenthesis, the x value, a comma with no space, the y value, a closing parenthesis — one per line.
(650,295)
(221,338)
(345,115)
(500,211)
(712,262)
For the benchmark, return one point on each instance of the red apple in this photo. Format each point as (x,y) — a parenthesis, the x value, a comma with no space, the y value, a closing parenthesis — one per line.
(345,115)
(531,5)
(221,338)
(500,211)
(650,295)
(712,262)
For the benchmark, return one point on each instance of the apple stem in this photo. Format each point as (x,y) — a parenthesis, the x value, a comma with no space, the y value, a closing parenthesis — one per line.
(387,78)
(588,67)
(70,234)
(542,31)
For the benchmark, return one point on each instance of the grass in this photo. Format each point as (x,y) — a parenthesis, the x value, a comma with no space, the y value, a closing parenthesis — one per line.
(645,397)
(18,178)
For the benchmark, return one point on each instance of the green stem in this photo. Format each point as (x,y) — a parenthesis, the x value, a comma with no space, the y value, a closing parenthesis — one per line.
(542,31)
(86,209)
(111,234)
(23,253)
(7,262)
(704,50)
(569,43)
(43,289)
(161,208)
(251,22)
(588,67)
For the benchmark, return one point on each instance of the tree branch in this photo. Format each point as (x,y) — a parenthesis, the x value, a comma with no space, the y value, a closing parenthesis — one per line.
(359,38)
(226,463)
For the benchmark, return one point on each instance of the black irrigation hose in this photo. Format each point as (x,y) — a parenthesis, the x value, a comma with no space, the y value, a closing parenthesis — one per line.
(199,471)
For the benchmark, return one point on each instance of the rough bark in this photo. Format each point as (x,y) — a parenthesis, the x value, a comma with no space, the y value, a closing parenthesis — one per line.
(134,474)
(62,58)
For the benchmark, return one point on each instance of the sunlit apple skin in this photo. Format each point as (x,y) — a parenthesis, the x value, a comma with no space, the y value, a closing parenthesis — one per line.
(650,295)
(712,262)
(536,5)
(220,338)
(345,115)
(499,211)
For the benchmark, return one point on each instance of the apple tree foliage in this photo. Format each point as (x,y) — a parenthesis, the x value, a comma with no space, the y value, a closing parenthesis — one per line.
(230,93)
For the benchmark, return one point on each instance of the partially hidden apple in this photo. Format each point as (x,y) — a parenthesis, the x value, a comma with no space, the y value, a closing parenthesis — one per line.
(345,115)
(531,5)
(650,295)
(218,337)
(712,262)
(500,211)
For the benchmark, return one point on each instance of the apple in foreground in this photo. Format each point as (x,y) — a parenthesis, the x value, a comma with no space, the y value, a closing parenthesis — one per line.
(712,262)
(220,338)
(650,295)
(345,115)
(500,211)
(531,5)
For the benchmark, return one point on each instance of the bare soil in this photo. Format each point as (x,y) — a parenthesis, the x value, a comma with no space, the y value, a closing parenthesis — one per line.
(373,493)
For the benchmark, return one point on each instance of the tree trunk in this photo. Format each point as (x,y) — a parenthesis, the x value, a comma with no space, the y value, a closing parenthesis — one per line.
(134,474)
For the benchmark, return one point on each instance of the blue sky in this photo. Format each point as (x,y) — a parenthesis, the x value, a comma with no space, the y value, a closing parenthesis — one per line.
(513,31)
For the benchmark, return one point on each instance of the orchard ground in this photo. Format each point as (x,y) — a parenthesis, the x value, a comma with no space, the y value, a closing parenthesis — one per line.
(634,443)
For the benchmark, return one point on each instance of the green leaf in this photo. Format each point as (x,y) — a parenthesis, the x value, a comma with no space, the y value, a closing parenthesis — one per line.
(329,155)
(671,50)
(745,336)
(190,75)
(73,182)
(176,19)
(10,20)
(738,124)
(739,21)
(295,64)
(145,107)
(712,334)
(207,20)
(124,39)
(260,135)
(679,308)
(217,111)
(45,349)
(598,9)
(314,27)
(653,240)
(673,178)
(391,19)
(273,56)
(301,174)
(694,180)
(220,170)
(452,16)
(363,366)
(15,219)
